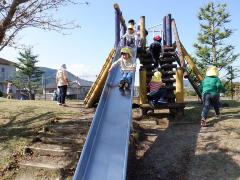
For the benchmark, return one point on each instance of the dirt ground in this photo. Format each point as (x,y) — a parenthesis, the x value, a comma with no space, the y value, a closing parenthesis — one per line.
(164,148)
(161,147)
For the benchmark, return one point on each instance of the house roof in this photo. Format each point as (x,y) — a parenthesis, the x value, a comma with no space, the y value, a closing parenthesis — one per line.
(6,62)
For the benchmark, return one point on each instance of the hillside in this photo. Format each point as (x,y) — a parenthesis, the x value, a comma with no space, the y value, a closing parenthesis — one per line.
(50,74)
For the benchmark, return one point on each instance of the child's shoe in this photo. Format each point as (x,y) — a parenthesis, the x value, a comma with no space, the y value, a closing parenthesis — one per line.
(203,122)
(162,101)
(121,84)
(218,117)
(152,103)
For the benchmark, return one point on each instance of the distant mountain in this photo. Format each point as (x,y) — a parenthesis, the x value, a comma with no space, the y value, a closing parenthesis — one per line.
(50,77)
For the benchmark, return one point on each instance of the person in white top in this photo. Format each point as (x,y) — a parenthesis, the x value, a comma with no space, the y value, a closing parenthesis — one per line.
(62,83)
(128,67)
(131,36)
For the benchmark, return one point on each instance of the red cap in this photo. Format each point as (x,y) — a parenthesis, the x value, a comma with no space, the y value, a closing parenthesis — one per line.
(157,38)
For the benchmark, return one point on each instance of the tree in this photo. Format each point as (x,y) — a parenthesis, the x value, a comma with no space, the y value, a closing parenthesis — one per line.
(17,15)
(210,47)
(28,76)
(232,73)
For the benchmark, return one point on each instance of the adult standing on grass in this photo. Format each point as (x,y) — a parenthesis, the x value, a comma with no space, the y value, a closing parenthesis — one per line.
(62,83)
(211,87)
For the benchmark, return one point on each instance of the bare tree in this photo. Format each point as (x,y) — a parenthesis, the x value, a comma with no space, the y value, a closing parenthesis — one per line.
(16,15)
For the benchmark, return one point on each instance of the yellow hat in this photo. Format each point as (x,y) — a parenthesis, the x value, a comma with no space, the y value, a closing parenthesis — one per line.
(212,71)
(127,51)
(157,77)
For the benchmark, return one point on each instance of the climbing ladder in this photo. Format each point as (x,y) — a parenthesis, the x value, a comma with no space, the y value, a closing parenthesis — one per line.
(96,89)
(184,60)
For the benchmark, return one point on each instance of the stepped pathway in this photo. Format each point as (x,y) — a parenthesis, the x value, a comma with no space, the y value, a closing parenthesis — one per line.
(55,150)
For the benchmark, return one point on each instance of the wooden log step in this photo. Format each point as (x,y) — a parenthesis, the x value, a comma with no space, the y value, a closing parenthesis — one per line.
(167,66)
(164,105)
(168,73)
(44,162)
(169,80)
(60,140)
(167,60)
(169,48)
(168,54)
(52,149)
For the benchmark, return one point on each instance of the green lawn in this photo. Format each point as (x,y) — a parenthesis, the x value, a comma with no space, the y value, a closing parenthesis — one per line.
(21,120)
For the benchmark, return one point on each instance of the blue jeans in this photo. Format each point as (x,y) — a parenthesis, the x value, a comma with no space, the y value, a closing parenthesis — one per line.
(160,94)
(127,76)
(209,100)
(62,94)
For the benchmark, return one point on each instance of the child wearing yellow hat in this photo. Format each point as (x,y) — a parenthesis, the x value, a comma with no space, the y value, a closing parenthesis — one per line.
(157,89)
(211,87)
(127,65)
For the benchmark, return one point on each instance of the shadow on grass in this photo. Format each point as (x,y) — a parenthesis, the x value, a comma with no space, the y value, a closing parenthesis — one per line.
(24,128)
(172,155)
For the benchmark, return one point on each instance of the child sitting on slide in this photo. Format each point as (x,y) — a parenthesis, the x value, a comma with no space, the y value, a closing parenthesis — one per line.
(128,67)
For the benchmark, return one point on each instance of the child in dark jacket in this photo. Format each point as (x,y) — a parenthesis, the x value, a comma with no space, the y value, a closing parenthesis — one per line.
(211,87)
(155,50)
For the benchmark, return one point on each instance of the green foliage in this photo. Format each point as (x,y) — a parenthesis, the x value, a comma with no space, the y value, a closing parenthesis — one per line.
(210,46)
(28,76)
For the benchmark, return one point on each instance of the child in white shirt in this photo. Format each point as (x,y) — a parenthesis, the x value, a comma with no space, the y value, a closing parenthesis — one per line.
(128,67)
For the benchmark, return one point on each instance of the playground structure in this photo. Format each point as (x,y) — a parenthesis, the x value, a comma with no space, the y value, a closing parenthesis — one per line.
(105,152)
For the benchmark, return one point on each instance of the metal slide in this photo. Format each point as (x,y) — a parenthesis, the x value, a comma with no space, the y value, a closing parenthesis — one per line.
(105,152)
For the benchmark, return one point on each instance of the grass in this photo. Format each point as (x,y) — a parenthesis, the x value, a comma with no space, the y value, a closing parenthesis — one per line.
(21,120)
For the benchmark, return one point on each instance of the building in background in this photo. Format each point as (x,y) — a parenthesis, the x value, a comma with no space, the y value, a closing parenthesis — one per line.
(77,89)
(7,71)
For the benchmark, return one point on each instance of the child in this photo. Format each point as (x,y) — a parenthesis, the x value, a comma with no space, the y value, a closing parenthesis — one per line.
(127,65)
(211,87)
(9,90)
(155,50)
(157,89)
(131,36)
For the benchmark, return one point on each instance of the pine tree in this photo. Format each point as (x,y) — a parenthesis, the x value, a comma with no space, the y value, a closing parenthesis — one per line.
(210,47)
(28,76)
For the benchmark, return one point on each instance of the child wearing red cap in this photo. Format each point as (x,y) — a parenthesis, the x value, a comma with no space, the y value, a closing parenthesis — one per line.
(155,50)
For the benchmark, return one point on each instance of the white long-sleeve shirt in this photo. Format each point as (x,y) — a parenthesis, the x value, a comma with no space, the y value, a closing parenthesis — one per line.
(125,64)
(129,36)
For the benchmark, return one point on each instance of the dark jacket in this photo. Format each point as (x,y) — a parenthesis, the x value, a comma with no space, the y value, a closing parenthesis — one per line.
(155,49)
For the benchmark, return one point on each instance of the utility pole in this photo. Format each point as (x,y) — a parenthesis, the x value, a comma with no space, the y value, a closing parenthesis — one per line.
(45,84)
(231,81)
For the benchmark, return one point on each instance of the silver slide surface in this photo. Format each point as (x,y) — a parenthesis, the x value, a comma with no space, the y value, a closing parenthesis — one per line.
(105,152)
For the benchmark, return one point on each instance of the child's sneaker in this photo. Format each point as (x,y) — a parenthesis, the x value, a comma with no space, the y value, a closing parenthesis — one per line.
(162,101)
(218,116)
(121,84)
(152,103)
(203,122)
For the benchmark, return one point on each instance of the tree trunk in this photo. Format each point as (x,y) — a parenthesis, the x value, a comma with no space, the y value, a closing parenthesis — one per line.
(7,21)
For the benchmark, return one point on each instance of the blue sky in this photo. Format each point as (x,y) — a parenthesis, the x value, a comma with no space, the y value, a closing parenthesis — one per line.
(84,50)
